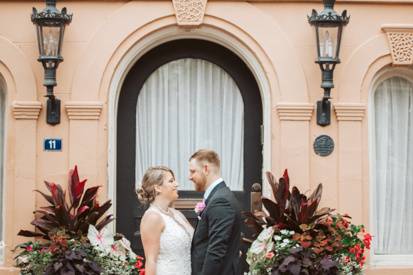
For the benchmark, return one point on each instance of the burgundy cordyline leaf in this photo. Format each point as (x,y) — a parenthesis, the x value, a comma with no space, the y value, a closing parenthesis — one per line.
(273,209)
(76,187)
(272,182)
(283,194)
(90,196)
(295,202)
(303,215)
(95,204)
(82,209)
(47,197)
(74,217)
(57,192)
(50,209)
(79,189)
(27,233)
(42,224)
(286,177)
(105,221)
(53,190)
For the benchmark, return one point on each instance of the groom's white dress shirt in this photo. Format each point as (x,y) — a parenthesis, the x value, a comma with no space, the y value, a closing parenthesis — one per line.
(211,187)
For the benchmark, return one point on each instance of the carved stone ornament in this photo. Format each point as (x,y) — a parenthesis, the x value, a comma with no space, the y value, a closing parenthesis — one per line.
(86,110)
(349,111)
(401,43)
(26,110)
(295,111)
(189,12)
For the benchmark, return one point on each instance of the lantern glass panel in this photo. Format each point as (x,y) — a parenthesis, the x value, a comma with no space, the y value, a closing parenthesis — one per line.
(328,37)
(49,41)
(51,37)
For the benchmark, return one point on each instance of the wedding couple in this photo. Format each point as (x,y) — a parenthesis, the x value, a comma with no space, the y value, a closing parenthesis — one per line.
(171,245)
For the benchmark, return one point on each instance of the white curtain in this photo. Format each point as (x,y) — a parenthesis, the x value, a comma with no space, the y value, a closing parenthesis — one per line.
(393,200)
(186,105)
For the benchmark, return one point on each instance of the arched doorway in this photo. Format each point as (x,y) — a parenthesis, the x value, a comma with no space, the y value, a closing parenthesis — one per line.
(222,64)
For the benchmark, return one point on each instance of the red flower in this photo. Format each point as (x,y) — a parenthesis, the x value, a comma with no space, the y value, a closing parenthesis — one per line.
(138,264)
(367,240)
(29,248)
(142,272)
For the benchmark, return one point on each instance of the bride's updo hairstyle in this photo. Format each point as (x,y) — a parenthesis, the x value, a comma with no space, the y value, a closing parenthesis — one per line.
(154,176)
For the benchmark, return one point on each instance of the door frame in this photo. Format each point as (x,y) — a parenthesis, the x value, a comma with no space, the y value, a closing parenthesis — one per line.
(154,39)
(129,216)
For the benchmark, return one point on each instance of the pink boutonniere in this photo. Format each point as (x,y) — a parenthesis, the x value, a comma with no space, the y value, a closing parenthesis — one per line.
(199,207)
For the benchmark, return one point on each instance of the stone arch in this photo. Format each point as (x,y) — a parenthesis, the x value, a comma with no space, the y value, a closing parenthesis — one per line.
(360,69)
(22,105)
(100,52)
(16,70)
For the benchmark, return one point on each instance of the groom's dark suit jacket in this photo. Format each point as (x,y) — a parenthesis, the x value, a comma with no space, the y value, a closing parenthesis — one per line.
(216,242)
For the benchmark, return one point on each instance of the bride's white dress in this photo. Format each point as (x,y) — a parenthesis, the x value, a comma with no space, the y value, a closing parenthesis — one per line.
(175,244)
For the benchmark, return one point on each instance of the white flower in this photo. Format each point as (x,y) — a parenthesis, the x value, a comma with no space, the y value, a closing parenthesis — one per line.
(286,241)
(284,232)
(23,259)
(277,238)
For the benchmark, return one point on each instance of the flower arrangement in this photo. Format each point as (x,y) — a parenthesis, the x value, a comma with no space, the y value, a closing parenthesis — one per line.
(293,236)
(74,239)
(199,208)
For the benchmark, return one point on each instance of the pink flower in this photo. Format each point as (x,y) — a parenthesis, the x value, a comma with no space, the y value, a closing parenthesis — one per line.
(199,207)
(29,248)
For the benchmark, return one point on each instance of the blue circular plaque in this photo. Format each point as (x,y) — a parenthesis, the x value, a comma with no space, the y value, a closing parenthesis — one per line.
(323,145)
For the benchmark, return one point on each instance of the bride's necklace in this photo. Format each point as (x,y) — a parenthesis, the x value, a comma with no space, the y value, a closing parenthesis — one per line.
(166,212)
(170,214)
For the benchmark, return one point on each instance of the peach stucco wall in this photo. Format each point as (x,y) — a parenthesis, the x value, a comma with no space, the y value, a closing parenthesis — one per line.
(273,37)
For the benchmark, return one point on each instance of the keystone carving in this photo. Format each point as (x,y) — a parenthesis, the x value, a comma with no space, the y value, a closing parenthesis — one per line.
(189,12)
(401,43)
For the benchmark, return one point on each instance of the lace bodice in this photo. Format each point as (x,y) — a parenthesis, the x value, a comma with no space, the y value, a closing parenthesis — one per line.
(175,244)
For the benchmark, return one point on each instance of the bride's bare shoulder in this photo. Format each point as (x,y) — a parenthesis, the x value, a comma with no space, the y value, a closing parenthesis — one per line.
(152,218)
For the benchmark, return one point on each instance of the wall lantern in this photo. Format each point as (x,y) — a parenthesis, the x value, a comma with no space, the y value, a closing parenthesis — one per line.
(328,26)
(50,24)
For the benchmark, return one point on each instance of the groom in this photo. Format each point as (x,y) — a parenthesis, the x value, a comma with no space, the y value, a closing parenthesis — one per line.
(216,242)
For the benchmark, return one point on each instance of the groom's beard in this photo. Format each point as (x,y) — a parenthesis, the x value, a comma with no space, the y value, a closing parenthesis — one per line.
(200,185)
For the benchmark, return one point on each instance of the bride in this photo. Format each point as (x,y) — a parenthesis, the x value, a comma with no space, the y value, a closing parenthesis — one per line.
(166,233)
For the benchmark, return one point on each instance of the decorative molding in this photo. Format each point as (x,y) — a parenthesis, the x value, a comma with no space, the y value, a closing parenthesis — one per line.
(189,13)
(350,111)
(27,110)
(84,110)
(401,43)
(295,111)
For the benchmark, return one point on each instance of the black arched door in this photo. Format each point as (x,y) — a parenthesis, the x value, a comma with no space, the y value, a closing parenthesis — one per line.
(128,209)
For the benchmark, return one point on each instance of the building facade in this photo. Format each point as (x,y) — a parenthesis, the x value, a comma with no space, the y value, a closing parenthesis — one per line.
(142,83)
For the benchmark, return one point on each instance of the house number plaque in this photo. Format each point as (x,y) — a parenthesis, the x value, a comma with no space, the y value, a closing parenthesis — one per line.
(323,145)
(52,144)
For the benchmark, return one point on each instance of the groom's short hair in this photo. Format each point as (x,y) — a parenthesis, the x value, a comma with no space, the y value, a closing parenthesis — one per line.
(206,155)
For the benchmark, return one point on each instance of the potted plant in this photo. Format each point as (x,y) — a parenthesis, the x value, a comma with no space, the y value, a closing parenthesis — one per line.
(71,237)
(294,236)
